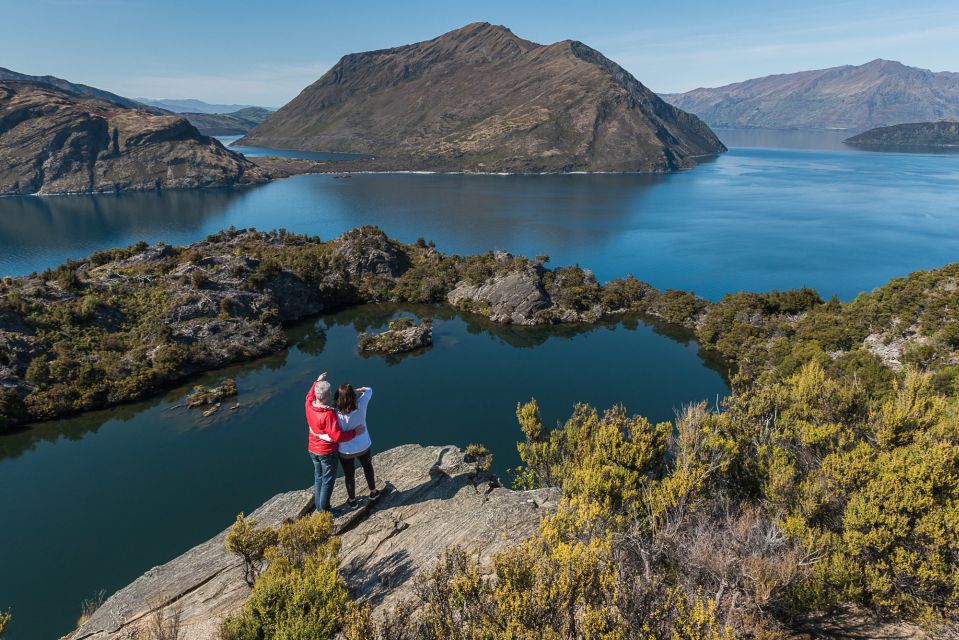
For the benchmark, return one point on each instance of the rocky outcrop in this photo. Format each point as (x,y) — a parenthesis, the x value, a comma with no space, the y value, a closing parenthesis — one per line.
(919,134)
(435,499)
(402,336)
(515,298)
(55,141)
(875,94)
(482,99)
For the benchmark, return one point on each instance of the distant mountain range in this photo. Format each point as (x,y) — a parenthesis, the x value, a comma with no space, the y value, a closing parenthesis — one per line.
(189,105)
(923,134)
(228,124)
(83,90)
(878,93)
(482,99)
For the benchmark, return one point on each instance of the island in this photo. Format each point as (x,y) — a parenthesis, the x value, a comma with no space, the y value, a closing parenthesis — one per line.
(402,336)
(481,99)
(944,133)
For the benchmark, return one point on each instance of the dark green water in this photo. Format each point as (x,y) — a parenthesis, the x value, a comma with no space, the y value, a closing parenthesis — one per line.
(92,502)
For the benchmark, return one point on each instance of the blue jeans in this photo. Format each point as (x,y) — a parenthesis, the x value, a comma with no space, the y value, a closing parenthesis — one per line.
(324,475)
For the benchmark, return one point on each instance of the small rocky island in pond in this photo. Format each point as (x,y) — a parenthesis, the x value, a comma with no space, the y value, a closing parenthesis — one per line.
(402,336)
(917,134)
(57,141)
(482,99)
(209,399)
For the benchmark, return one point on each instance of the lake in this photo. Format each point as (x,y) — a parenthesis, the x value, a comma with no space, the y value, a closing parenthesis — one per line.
(800,209)
(92,502)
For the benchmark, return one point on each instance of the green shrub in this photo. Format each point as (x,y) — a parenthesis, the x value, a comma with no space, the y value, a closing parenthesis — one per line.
(250,542)
(301,593)
(479,454)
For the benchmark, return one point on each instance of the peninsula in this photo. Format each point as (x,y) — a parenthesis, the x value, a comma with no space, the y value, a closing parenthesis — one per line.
(55,141)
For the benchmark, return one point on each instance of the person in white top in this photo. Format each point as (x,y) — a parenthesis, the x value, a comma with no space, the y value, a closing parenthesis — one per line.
(351,405)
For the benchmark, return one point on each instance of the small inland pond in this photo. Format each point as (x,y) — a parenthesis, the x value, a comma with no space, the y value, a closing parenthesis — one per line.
(92,502)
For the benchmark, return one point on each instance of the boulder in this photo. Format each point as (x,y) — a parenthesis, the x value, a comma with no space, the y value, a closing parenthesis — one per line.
(435,498)
(514,298)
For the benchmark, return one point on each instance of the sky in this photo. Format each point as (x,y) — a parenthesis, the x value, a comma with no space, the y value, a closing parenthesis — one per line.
(264,53)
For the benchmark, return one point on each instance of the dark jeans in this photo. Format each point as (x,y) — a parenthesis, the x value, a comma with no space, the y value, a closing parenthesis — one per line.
(324,475)
(349,472)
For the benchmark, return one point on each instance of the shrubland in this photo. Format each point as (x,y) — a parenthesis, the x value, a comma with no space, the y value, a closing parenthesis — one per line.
(805,494)
(125,322)
(828,479)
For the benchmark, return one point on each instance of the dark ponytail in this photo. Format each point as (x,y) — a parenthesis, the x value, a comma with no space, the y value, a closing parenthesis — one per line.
(345,399)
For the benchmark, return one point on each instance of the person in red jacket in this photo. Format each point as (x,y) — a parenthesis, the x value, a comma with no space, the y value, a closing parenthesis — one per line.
(323,439)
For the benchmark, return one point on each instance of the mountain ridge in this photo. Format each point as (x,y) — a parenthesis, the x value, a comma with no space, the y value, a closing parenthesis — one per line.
(480,98)
(193,105)
(856,97)
(57,141)
(83,90)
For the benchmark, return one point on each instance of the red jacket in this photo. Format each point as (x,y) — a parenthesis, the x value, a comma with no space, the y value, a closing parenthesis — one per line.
(323,421)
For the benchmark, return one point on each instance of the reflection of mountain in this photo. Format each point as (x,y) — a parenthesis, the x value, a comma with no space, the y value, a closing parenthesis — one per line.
(477,213)
(32,228)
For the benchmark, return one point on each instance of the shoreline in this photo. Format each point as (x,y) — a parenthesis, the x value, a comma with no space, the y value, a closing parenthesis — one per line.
(124,324)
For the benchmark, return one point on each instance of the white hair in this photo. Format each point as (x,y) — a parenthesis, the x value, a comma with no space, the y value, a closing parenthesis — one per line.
(322,391)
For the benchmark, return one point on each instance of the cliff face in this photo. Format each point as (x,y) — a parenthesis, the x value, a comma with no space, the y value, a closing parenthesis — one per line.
(54,141)
(924,134)
(436,498)
(482,99)
(874,94)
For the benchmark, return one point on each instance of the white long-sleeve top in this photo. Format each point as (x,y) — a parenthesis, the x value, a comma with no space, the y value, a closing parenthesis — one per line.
(350,421)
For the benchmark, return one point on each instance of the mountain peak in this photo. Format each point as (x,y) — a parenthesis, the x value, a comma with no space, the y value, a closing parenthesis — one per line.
(488,39)
(480,98)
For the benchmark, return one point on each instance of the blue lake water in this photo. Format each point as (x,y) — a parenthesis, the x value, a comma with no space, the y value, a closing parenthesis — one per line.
(92,502)
(778,215)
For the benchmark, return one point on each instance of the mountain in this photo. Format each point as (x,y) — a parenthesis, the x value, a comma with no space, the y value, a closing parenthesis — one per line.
(874,94)
(227,124)
(925,134)
(56,141)
(482,99)
(81,89)
(189,105)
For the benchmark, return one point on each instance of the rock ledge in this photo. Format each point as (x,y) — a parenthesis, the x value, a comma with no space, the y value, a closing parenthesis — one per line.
(436,499)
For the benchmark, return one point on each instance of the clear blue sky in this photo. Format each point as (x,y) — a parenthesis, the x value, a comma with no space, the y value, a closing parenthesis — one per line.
(265,52)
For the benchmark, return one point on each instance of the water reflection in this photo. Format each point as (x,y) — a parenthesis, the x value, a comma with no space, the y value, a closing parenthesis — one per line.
(37,232)
(169,478)
(773,213)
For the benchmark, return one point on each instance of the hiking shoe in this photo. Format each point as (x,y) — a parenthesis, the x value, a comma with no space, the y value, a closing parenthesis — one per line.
(375,493)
